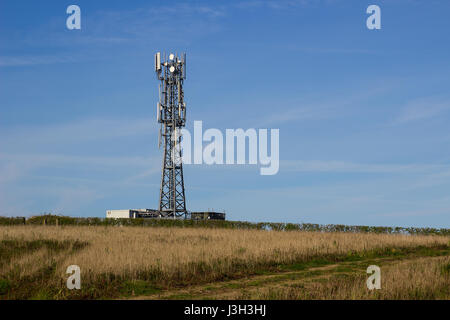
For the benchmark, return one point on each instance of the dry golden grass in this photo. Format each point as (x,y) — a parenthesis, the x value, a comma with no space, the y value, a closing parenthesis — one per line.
(182,255)
(422,278)
(27,264)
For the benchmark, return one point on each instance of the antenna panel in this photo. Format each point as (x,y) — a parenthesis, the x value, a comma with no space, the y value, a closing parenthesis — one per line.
(158,61)
(158,112)
(184,65)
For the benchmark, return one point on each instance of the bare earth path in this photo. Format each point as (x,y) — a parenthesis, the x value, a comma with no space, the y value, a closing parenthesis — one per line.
(248,287)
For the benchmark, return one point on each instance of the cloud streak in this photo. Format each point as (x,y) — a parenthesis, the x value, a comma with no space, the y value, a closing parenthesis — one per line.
(352,167)
(81,131)
(28,60)
(43,154)
(421,109)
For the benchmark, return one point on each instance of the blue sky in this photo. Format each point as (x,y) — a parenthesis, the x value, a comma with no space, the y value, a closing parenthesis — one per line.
(363,114)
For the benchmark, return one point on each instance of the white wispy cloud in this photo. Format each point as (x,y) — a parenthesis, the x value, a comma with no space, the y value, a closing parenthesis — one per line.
(353,167)
(422,109)
(107,27)
(332,107)
(26,149)
(107,176)
(150,24)
(28,60)
(414,213)
(280,4)
(62,159)
(294,114)
(440,177)
(370,201)
(333,51)
(83,130)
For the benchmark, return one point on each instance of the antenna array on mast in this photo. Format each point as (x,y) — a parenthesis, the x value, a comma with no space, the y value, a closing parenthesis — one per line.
(171,114)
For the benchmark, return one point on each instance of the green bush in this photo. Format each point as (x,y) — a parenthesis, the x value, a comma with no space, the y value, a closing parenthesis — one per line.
(4,286)
(49,219)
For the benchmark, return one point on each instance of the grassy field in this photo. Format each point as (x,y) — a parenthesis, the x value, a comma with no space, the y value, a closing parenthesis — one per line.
(203,263)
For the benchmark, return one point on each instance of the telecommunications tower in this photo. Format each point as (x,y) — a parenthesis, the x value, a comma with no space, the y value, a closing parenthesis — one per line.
(171,114)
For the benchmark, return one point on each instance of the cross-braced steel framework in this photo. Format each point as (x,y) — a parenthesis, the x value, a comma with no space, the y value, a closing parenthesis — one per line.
(171,114)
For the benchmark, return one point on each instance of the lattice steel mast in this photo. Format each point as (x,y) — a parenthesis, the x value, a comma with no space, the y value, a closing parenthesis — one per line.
(171,114)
